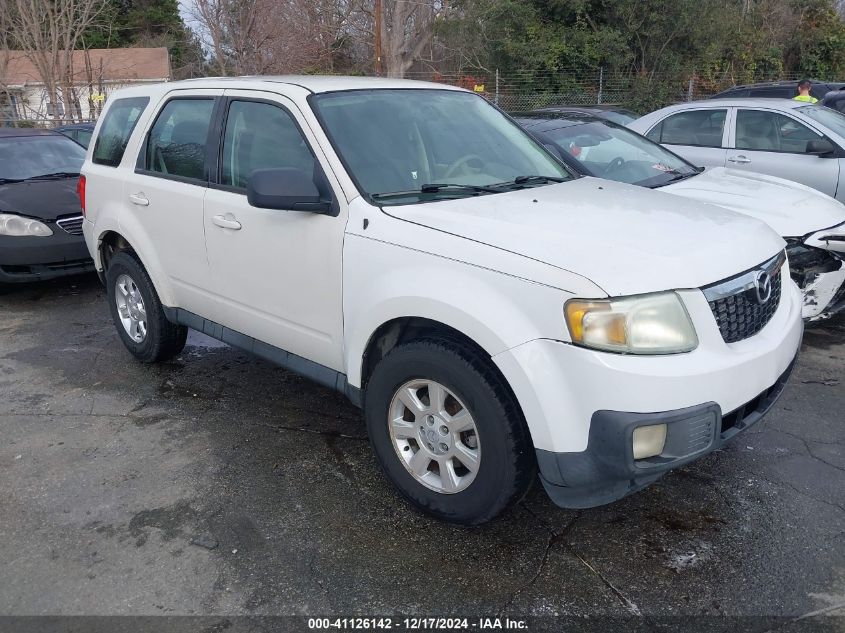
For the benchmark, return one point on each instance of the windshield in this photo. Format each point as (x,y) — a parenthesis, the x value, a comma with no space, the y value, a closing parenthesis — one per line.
(606,150)
(831,119)
(24,157)
(408,140)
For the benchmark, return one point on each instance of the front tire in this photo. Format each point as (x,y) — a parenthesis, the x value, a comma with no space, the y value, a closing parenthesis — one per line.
(138,314)
(447,431)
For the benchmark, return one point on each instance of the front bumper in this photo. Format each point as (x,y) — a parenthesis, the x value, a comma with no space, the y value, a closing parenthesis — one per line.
(567,392)
(607,470)
(24,259)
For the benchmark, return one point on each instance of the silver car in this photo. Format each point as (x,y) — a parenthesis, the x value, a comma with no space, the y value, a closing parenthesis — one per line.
(779,137)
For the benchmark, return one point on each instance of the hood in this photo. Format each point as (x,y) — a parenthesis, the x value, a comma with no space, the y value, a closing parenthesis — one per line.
(42,199)
(624,238)
(791,209)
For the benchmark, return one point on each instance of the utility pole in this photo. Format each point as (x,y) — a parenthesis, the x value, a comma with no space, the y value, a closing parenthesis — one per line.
(378,37)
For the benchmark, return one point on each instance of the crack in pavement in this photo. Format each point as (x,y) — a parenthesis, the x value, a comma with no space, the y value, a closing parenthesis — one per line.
(810,452)
(553,538)
(798,437)
(800,492)
(809,614)
(629,604)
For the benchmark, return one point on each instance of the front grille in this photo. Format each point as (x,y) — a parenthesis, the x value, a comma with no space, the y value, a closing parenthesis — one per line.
(736,303)
(72,225)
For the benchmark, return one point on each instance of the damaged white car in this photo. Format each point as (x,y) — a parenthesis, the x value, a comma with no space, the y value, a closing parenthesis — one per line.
(812,223)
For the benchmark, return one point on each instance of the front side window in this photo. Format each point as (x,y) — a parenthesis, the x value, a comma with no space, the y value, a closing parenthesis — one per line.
(702,128)
(415,142)
(611,151)
(177,140)
(28,157)
(115,130)
(769,131)
(261,136)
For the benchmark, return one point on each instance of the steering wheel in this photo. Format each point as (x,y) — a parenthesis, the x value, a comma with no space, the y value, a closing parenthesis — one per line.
(616,163)
(459,164)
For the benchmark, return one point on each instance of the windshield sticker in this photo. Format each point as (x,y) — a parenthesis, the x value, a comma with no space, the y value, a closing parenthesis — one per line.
(662,167)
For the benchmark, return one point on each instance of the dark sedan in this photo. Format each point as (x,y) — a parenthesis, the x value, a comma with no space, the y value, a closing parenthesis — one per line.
(40,215)
(611,112)
(79,132)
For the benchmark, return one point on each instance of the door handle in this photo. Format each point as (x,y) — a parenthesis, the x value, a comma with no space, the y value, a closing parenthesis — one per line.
(226,223)
(742,160)
(139,198)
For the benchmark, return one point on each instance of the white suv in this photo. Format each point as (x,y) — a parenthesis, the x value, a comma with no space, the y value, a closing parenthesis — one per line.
(407,244)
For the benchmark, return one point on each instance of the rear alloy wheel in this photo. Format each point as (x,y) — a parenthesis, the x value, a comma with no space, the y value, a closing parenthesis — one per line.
(447,431)
(137,311)
(130,307)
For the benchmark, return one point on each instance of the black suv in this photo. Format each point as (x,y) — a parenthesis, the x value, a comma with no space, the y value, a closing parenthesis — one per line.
(778,89)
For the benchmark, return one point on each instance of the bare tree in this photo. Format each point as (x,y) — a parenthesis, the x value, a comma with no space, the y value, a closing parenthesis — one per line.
(407,30)
(47,32)
(271,36)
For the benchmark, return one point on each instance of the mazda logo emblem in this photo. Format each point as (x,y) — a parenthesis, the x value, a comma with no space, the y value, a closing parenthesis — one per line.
(763,286)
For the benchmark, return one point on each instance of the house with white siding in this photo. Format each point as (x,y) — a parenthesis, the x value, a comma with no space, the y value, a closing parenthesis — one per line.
(95,73)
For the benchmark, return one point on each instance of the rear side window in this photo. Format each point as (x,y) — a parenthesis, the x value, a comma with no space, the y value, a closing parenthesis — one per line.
(177,140)
(261,136)
(117,127)
(702,128)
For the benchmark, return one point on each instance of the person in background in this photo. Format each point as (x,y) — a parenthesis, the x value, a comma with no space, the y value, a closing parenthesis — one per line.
(804,92)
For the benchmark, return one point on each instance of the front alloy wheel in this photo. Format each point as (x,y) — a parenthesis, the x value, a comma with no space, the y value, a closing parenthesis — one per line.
(431,407)
(435,436)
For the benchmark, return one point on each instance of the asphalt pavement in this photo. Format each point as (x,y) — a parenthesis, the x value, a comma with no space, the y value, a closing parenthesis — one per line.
(218,484)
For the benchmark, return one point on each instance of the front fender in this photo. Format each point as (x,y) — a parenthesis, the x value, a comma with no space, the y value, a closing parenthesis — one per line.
(383,282)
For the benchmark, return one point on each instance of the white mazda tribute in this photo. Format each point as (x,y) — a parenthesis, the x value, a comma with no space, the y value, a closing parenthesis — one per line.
(407,244)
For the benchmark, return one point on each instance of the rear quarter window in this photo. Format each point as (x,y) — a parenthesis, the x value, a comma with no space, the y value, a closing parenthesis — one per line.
(118,124)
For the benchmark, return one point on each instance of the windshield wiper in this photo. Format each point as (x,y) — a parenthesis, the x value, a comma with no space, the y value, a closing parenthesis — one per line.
(6,181)
(435,188)
(527,180)
(680,176)
(57,174)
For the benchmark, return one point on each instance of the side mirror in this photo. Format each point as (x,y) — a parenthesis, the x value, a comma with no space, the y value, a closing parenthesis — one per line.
(286,189)
(821,148)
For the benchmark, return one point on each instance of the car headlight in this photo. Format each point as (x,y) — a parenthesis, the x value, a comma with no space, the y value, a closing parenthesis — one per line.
(645,324)
(18,226)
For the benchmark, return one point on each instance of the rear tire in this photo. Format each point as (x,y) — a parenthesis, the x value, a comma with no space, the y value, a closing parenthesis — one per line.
(464,458)
(138,314)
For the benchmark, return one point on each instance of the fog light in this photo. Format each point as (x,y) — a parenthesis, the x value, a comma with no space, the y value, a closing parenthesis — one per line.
(649,440)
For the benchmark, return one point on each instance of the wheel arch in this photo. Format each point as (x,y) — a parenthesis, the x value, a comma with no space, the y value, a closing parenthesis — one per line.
(112,240)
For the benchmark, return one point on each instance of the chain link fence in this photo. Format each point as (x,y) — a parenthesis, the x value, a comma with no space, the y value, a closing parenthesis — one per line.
(44,123)
(529,90)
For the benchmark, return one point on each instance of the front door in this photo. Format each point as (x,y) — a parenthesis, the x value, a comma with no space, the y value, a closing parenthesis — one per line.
(276,274)
(776,144)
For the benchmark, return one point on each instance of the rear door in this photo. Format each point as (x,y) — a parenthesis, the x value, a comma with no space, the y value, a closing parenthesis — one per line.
(774,143)
(277,274)
(699,135)
(166,191)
